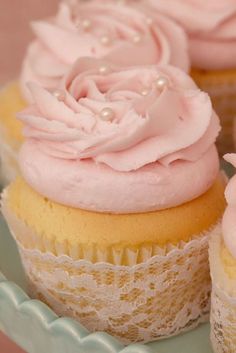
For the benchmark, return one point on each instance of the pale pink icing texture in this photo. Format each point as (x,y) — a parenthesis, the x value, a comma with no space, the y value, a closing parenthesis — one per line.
(211,26)
(115,140)
(229,219)
(125,35)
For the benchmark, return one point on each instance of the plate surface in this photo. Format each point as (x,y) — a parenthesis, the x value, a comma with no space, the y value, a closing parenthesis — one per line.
(21,318)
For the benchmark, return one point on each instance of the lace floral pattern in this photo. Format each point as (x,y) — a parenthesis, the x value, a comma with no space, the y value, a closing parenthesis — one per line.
(161,297)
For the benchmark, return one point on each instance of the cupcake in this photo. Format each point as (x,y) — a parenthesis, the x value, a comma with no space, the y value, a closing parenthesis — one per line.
(116,32)
(211,26)
(223,273)
(120,190)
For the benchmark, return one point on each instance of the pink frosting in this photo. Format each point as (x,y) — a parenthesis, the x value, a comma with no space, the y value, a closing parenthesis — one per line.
(211,25)
(156,150)
(229,219)
(133,36)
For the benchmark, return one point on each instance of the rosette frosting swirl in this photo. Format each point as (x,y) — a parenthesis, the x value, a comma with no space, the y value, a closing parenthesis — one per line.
(120,139)
(211,26)
(120,33)
(229,219)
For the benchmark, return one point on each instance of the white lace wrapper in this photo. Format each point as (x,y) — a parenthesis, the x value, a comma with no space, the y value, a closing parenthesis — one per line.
(161,297)
(223,303)
(8,162)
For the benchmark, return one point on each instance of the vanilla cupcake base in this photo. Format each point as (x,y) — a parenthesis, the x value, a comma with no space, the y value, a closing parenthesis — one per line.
(164,295)
(139,277)
(221,86)
(223,302)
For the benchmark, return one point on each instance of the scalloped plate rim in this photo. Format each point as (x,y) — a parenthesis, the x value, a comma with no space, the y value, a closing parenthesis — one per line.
(51,322)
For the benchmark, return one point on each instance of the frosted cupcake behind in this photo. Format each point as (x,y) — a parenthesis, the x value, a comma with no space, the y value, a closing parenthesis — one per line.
(211,28)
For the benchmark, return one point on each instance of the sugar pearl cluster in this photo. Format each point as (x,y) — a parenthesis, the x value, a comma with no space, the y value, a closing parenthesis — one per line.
(107,114)
(86,24)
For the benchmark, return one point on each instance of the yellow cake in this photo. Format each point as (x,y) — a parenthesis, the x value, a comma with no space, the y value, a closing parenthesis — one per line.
(77,229)
(228,262)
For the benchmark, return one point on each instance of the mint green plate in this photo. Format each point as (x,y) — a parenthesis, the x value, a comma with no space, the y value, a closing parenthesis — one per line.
(34,327)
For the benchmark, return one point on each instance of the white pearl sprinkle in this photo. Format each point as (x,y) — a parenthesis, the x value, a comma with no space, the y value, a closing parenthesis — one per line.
(104,69)
(106,114)
(105,40)
(137,38)
(59,94)
(144,92)
(162,82)
(86,24)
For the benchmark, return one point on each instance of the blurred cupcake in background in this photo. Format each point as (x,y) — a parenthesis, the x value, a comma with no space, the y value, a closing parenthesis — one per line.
(223,273)
(120,192)
(211,26)
(115,31)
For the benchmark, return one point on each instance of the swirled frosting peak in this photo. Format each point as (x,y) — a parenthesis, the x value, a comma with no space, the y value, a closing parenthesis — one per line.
(229,219)
(123,34)
(211,26)
(120,139)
